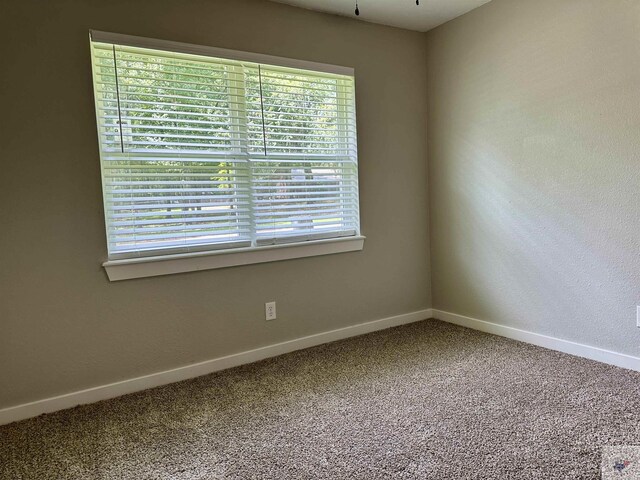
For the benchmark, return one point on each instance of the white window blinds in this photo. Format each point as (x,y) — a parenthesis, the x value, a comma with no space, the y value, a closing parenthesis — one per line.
(200,153)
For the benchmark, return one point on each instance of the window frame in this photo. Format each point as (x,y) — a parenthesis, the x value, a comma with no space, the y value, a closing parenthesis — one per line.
(167,262)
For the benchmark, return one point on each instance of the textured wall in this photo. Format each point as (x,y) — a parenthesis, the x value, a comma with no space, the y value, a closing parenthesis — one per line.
(534,167)
(63,326)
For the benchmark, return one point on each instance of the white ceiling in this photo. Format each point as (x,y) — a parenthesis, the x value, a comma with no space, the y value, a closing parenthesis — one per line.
(398,13)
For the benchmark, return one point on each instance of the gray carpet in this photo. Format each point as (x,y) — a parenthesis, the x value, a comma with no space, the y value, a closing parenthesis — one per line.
(427,400)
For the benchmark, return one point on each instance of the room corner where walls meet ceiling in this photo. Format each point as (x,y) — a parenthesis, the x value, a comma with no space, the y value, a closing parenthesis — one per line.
(396,13)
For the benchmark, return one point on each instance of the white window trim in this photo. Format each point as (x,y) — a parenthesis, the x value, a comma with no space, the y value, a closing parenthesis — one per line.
(190,262)
(180,47)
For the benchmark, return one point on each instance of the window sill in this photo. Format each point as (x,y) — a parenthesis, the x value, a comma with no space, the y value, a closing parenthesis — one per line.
(191,262)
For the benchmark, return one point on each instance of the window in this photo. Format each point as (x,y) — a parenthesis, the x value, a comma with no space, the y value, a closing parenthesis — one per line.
(211,150)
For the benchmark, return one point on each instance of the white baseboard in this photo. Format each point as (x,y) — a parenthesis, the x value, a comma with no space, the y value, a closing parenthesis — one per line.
(566,346)
(104,392)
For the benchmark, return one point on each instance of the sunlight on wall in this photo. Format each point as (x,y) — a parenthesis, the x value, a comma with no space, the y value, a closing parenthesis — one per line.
(534,168)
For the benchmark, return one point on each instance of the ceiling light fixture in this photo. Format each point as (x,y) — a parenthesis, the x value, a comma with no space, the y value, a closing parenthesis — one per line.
(358,10)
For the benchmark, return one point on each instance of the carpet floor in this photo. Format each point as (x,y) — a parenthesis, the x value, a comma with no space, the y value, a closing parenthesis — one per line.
(422,401)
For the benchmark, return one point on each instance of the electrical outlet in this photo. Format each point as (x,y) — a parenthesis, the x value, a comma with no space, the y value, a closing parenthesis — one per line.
(638,316)
(270,311)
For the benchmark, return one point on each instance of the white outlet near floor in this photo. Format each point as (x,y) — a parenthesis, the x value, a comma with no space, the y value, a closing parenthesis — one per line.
(638,316)
(270,310)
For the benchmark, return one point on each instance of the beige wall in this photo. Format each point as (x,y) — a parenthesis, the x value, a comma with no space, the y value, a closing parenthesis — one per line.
(63,326)
(534,167)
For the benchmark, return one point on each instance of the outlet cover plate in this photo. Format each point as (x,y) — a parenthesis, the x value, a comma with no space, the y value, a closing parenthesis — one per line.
(270,311)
